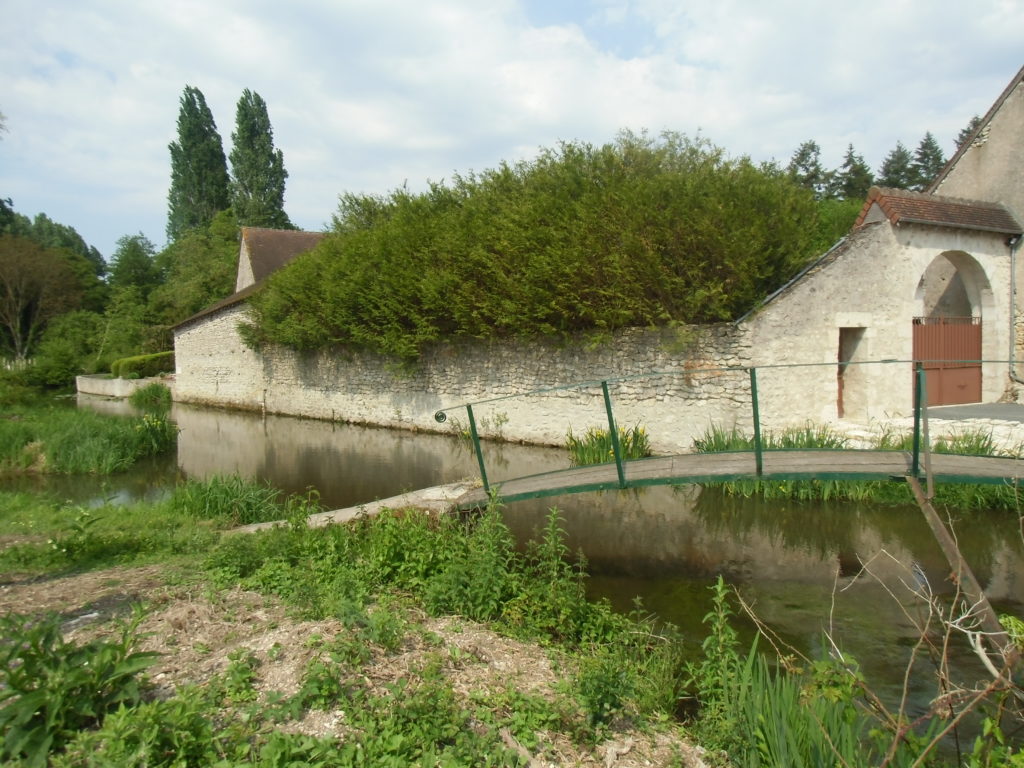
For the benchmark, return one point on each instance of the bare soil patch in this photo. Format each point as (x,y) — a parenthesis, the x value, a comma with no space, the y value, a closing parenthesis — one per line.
(196,631)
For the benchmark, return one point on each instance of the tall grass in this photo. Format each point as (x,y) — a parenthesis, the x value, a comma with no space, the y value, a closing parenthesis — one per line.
(595,445)
(229,501)
(152,397)
(67,441)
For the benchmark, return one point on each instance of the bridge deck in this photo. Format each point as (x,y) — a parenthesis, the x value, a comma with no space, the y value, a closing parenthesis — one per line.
(778,465)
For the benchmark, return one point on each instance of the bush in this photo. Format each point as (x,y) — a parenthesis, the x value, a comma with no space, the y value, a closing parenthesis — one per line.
(595,447)
(581,239)
(143,366)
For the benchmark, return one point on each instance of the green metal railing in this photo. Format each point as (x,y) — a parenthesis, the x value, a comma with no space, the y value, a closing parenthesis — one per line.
(920,443)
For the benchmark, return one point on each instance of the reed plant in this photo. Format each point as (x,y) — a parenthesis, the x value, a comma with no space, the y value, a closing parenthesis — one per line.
(956,496)
(228,500)
(69,441)
(155,397)
(595,445)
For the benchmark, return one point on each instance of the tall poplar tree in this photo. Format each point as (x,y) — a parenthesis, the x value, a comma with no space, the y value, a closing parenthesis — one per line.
(199,172)
(257,169)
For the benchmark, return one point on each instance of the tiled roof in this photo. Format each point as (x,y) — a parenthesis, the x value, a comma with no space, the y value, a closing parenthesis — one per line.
(901,206)
(271,249)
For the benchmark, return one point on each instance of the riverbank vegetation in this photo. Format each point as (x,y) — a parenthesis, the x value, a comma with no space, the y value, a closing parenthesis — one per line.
(392,629)
(581,239)
(42,439)
(955,496)
(595,445)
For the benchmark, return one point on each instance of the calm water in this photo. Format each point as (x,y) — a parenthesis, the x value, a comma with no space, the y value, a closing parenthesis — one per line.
(795,564)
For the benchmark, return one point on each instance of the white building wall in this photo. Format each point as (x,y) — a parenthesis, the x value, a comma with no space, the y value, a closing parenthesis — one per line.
(873,284)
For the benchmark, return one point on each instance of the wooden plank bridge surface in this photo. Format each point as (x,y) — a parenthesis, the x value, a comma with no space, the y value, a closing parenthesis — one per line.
(778,465)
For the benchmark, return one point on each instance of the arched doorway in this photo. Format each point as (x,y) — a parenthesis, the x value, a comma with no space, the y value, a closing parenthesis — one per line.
(948,329)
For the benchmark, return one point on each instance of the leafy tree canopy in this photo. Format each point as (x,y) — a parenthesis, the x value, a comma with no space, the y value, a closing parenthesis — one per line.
(199,172)
(806,170)
(634,233)
(200,269)
(36,285)
(133,264)
(257,169)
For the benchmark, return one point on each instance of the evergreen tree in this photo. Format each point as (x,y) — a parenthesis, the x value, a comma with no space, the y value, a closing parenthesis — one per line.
(806,170)
(257,169)
(854,177)
(967,131)
(928,162)
(199,173)
(897,168)
(132,264)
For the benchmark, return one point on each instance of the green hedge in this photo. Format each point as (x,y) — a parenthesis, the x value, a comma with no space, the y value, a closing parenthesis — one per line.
(642,232)
(143,366)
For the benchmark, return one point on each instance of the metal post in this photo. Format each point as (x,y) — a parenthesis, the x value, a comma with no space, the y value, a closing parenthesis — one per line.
(616,449)
(758,448)
(476,446)
(915,467)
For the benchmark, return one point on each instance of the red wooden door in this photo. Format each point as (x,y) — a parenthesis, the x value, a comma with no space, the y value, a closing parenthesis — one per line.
(950,350)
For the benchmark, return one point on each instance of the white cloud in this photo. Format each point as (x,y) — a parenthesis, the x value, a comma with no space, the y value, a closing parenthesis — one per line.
(364,97)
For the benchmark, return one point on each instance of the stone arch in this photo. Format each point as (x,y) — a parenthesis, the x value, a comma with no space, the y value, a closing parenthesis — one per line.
(954,284)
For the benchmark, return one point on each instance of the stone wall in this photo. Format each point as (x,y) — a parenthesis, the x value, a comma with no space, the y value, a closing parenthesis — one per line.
(101,385)
(214,367)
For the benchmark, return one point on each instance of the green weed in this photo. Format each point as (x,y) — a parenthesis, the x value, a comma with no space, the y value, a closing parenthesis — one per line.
(52,688)
(228,500)
(595,446)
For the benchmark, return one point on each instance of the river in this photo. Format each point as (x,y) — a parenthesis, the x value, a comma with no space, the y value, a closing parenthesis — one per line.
(798,564)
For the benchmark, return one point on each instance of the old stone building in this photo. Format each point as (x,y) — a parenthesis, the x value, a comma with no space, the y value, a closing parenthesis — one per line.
(928,277)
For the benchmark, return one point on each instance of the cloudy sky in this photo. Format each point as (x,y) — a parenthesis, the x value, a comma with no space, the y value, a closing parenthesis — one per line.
(367,95)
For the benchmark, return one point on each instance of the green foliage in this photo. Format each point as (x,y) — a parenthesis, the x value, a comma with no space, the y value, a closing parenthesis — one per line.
(595,446)
(257,169)
(133,264)
(176,732)
(897,168)
(583,238)
(928,162)
(152,397)
(67,441)
(854,178)
(52,688)
(36,285)
(143,366)
(957,496)
(199,174)
(228,500)
(200,268)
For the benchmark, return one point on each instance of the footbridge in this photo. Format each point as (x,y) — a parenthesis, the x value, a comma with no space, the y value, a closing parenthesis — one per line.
(760,462)
(919,466)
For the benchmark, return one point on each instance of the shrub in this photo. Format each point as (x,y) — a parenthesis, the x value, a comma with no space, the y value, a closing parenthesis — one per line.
(143,366)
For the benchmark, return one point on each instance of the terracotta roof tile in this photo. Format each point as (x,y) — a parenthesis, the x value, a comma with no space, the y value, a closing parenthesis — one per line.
(902,206)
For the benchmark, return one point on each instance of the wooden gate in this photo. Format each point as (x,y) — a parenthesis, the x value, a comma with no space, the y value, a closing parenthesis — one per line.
(950,350)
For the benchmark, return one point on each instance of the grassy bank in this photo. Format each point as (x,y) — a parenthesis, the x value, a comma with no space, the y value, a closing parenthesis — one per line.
(72,441)
(389,616)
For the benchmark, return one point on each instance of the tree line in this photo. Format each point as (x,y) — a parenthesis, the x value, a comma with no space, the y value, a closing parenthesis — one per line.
(900,169)
(69,310)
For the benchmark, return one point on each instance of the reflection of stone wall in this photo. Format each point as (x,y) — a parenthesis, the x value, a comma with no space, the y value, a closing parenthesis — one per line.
(213,367)
(348,464)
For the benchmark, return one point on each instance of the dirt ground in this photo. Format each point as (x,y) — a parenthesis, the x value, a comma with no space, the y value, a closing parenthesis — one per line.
(195,631)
